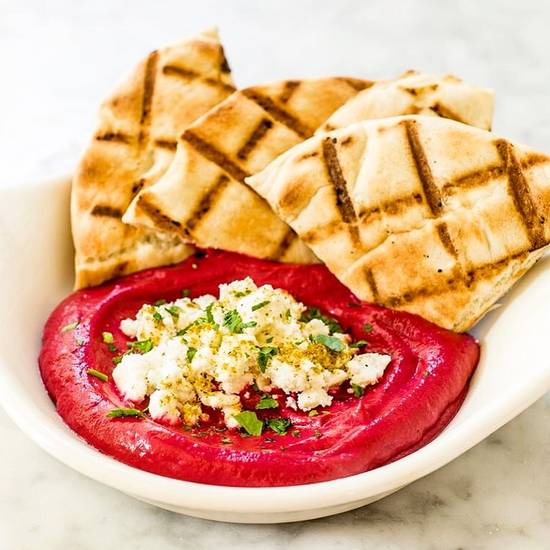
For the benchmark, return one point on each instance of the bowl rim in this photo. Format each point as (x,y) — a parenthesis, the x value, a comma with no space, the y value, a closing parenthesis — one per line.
(52,435)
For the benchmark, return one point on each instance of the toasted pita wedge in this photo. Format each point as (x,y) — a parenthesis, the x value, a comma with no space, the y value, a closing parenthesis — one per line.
(202,198)
(132,147)
(422,214)
(417,93)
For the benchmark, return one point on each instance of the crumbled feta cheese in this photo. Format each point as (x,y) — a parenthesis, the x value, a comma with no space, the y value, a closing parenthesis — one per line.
(206,351)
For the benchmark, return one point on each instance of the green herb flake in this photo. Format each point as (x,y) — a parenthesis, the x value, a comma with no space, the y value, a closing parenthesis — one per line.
(100,375)
(226,440)
(256,307)
(107,337)
(174,311)
(117,359)
(124,412)
(358,344)
(142,346)
(358,391)
(185,293)
(70,326)
(295,433)
(315,313)
(267,402)
(264,355)
(367,327)
(112,348)
(157,316)
(250,422)
(287,315)
(160,303)
(331,342)
(234,322)
(279,425)
(191,352)
(313,412)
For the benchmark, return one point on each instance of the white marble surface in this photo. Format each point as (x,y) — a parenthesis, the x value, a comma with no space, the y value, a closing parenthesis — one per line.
(57,58)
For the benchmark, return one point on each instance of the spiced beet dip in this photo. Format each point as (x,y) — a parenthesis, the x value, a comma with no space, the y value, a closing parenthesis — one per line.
(235,371)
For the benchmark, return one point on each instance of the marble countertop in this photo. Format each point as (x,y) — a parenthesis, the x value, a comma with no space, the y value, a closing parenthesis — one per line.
(58,58)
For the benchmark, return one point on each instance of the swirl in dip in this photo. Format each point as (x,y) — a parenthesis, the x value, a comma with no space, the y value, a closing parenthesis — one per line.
(235,371)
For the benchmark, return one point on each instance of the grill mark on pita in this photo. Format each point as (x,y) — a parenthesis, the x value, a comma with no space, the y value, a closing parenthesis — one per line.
(161,221)
(356,83)
(445,238)
(137,187)
(106,210)
(114,137)
(148,88)
(207,202)
(477,178)
(259,132)
(369,277)
(452,283)
(224,64)
(166,144)
(446,112)
(518,189)
(149,80)
(336,177)
(284,245)
(288,90)
(533,159)
(189,74)
(431,192)
(277,113)
(213,155)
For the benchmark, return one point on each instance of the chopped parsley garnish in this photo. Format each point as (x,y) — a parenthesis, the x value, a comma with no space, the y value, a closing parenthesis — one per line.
(191,352)
(209,316)
(358,391)
(269,339)
(142,346)
(240,293)
(295,433)
(250,422)
(174,311)
(314,313)
(331,342)
(112,348)
(160,302)
(234,322)
(102,376)
(279,425)
(312,412)
(256,307)
(124,412)
(264,355)
(185,292)
(70,326)
(287,315)
(117,359)
(107,337)
(358,344)
(267,402)
(367,327)
(157,316)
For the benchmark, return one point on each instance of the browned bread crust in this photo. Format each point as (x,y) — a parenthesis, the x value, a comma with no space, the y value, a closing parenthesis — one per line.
(203,198)
(417,93)
(132,146)
(417,213)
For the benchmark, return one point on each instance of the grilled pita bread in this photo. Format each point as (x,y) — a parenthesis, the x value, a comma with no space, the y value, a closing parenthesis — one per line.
(133,145)
(416,213)
(203,198)
(417,93)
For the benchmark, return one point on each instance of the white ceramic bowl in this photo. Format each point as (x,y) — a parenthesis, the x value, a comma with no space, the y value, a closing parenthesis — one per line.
(36,272)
